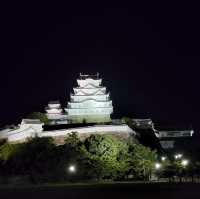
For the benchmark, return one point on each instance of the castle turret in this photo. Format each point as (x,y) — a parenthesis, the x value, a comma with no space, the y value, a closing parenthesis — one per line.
(54,110)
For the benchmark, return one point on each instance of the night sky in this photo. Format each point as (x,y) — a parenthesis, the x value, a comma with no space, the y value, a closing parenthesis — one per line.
(148,56)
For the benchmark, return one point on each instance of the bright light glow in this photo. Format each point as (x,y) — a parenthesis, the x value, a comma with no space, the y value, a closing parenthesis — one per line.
(178,156)
(163,158)
(184,162)
(157,165)
(72,169)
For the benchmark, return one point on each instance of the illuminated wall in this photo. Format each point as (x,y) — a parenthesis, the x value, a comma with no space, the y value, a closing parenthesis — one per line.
(22,134)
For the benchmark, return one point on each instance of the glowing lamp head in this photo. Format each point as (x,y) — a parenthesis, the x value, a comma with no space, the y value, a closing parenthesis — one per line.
(157,166)
(72,169)
(184,162)
(178,156)
(163,158)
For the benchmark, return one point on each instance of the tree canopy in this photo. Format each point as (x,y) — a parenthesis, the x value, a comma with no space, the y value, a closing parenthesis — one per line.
(38,115)
(98,157)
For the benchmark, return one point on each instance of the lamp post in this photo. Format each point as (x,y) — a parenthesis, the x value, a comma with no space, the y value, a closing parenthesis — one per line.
(156,172)
(71,169)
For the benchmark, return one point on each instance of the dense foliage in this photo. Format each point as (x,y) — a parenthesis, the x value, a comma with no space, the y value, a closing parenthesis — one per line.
(37,115)
(98,157)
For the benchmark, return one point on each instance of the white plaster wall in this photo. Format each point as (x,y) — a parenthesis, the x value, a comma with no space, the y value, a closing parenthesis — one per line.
(89,111)
(22,134)
(54,110)
(4,133)
(184,133)
(91,103)
(90,129)
(79,98)
(24,131)
(89,91)
(19,134)
(52,106)
(36,127)
(83,83)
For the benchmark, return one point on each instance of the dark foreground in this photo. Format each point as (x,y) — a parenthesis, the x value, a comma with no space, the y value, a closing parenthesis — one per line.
(103,191)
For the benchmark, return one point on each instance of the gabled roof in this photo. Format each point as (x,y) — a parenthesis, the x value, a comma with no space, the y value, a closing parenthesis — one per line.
(172,128)
(97,92)
(89,85)
(83,82)
(54,102)
(86,76)
(90,99)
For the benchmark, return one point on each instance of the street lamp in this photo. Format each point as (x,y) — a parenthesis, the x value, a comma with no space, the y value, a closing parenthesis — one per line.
(163,158)
(157,166)
(72,168)
(178,156)
(184,162)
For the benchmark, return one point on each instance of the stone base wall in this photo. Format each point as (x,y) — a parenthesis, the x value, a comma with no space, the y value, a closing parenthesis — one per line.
(59,140)
(119,131)
(21,135)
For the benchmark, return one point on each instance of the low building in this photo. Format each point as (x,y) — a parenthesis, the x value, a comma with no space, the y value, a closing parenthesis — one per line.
(174,138)
(27,129)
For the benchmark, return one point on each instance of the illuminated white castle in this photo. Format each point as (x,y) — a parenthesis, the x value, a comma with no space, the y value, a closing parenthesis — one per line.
(90,102)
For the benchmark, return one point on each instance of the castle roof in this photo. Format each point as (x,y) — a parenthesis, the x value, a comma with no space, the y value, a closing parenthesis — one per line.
(86,76)
(31,121)
(54,102)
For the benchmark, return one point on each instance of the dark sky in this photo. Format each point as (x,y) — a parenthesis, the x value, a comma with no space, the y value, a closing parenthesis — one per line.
(148,56)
